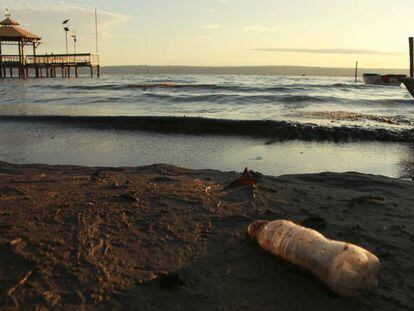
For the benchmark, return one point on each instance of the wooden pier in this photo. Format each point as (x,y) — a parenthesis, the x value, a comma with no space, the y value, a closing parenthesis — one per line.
(38,66)
(48,66)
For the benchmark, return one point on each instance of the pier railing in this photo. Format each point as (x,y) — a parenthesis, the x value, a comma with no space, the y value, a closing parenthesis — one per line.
(87,59)
(10,59)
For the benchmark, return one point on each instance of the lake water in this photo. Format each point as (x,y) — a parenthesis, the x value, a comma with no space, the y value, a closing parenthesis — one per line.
(317,100)
(320,100)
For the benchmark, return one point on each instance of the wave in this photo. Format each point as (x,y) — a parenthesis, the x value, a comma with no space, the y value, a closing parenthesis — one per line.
(381,102)
(354,116)
(207,87)
(237,99)
(272,130)
(147,86)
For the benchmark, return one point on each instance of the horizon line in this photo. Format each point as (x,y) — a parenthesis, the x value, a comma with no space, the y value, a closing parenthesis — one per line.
(257,66)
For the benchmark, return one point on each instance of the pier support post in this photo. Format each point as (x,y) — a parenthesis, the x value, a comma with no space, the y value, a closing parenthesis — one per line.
(19,70)
(34,60)
(91,72)
(98,71)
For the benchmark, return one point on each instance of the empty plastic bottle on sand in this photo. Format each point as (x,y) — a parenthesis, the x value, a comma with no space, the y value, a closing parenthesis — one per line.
(345,268)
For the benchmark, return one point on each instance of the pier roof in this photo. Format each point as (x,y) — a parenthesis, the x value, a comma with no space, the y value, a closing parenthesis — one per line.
(9,31)
(9,22)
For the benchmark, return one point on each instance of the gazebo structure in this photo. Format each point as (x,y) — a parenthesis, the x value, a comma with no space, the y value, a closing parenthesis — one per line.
(12,34)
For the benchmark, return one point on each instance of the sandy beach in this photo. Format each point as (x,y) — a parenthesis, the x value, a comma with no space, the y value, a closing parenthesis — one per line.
(206,155)
(162,237)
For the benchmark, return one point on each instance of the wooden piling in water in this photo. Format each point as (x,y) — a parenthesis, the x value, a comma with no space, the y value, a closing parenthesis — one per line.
(356,72)
(411,41)
(411,57)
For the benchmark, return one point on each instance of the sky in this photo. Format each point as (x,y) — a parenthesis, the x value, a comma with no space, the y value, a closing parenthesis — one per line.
(320,33)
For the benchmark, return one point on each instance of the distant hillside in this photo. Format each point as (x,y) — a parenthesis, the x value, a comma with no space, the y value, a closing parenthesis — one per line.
(262,70)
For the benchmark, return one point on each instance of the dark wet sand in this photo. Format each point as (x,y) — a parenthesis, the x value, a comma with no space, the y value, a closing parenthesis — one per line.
(168,238)
(273,130)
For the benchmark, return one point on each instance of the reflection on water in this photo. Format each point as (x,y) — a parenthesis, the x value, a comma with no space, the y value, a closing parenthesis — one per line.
(37,143)
(407,163)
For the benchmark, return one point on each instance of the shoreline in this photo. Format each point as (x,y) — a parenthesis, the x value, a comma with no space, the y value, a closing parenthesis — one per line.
(272,130)
(162,236)
(25,143)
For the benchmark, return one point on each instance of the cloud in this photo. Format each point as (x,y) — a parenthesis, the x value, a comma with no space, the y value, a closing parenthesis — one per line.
(208,11)
(213,26)
(203,37)
(228,32)
(259,29)
(327,51)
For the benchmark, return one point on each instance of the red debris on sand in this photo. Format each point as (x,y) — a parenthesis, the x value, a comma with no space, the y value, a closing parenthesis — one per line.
(247,179)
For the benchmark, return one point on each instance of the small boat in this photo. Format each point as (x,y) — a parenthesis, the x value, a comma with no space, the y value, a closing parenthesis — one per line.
(377,79)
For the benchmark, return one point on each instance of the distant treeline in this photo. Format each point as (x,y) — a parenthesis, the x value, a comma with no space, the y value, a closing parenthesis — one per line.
(260,70)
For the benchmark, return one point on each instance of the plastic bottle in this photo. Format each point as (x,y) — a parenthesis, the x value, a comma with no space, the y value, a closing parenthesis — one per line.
(345,268)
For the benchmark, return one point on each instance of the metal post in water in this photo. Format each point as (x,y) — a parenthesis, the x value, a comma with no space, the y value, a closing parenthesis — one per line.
(96,30)
(356,72)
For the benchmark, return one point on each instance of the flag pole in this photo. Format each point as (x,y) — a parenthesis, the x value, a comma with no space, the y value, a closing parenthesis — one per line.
(96,30)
